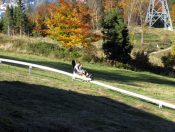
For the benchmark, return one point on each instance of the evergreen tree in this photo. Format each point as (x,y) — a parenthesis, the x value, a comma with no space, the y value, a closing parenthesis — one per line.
(20,23)
(8,21)
(116,43)
(16,20)
(29,25)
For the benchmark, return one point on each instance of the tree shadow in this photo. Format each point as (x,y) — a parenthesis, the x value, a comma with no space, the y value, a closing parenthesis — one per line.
(119,76)
(33,108)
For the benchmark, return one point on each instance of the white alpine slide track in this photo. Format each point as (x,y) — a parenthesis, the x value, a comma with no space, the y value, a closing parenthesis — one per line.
(132,94)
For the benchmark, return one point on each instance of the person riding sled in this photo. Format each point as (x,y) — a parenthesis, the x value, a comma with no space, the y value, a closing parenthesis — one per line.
(78,69)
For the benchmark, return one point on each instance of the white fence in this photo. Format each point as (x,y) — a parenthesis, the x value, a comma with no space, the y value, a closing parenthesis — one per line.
(135,95)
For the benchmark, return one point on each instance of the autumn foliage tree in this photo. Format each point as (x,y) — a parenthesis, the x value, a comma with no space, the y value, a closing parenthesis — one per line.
(39,16)
(134,11)
(110,4)
(96,7)
(70,24)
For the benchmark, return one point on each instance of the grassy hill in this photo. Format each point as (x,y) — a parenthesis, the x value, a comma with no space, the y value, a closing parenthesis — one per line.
(157,43)
(45,101)
(152,38)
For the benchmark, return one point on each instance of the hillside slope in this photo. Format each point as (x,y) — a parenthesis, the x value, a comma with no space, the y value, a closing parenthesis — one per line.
(48,102)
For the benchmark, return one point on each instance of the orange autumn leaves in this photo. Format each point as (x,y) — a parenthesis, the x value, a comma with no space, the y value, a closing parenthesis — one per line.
(70,24)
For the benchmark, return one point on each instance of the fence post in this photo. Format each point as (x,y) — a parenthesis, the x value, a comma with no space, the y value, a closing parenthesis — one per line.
(160,106)
(30,69)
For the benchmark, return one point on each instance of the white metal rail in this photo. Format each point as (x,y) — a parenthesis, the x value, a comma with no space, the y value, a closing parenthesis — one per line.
(132,94)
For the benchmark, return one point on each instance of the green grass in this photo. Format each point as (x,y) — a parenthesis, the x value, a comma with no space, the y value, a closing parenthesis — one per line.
(155,40)
(156,58)
(46,101)
(161,87)
(152,38)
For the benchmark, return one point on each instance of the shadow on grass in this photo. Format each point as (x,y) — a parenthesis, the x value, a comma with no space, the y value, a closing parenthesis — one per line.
(33,108)
(118,75)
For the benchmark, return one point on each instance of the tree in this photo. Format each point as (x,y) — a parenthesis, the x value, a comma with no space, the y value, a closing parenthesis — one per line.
(29,24)
(116,43)
(70,24)
(128,8)
(135,16)
(110,4)
(21,22)
(8,21)
(15,20)
(141,15)
(96,7)
(134,11)
(39,16)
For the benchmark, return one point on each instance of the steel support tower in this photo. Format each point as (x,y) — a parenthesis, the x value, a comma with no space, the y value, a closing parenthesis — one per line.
(158,15)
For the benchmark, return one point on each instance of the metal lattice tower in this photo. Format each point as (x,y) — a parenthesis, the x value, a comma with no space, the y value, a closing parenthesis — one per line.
(158,14)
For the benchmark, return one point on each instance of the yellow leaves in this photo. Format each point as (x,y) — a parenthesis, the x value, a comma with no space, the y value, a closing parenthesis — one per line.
(73,40)
(133,10)
(68,25)
(123,5)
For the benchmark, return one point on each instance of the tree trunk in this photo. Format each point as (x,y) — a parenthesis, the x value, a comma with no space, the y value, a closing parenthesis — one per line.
(130,13)
(8,32)
(142,36)
(20,31)
(96,18)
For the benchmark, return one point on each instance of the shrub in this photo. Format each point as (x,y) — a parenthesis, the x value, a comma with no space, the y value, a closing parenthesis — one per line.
(41,48)
(45,49)
(141,60)
(73,53)
(55,50)
(168,61)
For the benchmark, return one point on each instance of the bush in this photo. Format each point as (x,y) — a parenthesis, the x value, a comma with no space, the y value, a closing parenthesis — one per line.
(168,61)
(42,48)
(141,60)
(45,49)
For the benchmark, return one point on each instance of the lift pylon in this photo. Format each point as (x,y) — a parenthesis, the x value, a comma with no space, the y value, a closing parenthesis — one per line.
(158,14)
